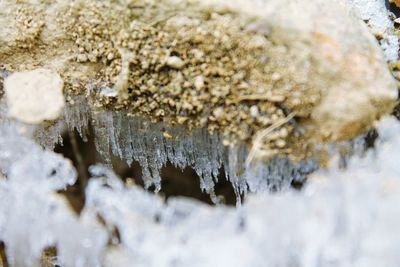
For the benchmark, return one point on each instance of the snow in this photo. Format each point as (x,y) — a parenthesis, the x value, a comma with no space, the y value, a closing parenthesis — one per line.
(33,215)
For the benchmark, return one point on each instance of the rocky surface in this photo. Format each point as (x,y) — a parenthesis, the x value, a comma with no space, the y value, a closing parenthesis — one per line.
(235,68)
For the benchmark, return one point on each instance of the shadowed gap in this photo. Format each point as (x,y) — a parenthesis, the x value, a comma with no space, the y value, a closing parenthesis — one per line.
(175,182)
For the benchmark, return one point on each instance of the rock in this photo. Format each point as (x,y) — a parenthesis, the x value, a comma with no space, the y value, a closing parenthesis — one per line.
(34,96)
(336,57)
(199,82)
(318,59)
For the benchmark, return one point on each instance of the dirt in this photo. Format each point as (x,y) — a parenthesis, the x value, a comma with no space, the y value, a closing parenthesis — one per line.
(195,66)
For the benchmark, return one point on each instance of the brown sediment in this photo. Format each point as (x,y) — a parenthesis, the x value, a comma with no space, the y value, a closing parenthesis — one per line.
(185,64)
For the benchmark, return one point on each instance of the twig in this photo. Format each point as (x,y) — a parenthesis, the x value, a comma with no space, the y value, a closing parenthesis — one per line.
(260,97)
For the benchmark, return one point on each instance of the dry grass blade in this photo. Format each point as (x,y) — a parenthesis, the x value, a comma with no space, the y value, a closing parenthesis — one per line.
(261,135)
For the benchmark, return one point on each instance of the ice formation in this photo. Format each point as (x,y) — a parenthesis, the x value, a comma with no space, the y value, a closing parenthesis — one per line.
(136,139)
(376,15)
(33,216)
(354,213)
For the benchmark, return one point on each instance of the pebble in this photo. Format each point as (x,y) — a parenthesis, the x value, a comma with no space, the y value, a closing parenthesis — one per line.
(254,112)
(110,56)
(280,143)
(218,112)
(199,82)
(82,58)
(175,62)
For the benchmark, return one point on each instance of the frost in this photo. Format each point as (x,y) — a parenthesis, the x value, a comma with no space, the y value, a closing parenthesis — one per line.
(273,176)
(375,13)
(354,213)
(21,158)
(341,218)
(33,215)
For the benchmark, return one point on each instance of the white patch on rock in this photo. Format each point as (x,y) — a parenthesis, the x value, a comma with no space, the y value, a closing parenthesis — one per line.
(34,96)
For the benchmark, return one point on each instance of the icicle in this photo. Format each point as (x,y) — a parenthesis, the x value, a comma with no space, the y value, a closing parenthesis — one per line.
(234,168)
(277,174)
(3,111)
(77,116)
(123,137)
(152,145)
(101,124)
(50,134)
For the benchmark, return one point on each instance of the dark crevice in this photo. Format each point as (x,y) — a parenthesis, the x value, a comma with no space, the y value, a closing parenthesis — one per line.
(370,138)
(186,183)
(87,156)
(392,8)
(396,111)
(297,184)
(175,182)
